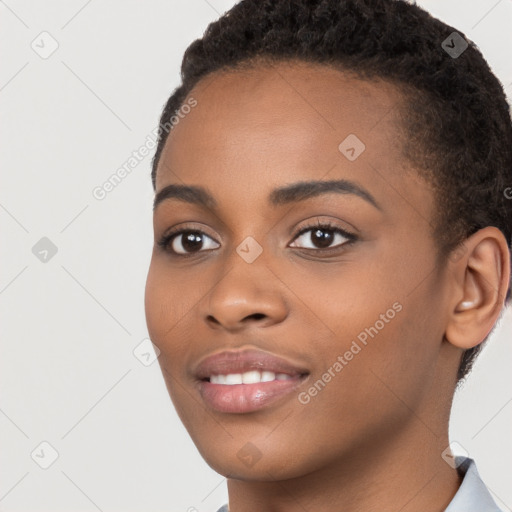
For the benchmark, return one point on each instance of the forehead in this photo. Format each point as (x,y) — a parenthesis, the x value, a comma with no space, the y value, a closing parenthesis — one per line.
(261,127)
(296,108)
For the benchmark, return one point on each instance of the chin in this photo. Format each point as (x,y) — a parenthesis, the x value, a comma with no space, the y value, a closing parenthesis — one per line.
(244,461)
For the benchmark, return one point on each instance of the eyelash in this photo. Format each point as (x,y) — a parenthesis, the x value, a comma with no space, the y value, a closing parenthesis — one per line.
(167,238)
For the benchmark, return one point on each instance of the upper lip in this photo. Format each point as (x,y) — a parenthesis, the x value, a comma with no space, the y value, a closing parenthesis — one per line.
(240,361)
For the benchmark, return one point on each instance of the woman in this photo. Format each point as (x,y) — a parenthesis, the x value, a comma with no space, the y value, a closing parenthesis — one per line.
(332,248)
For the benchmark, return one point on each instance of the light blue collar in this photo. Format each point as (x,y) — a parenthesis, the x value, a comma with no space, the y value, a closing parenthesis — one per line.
(473,495)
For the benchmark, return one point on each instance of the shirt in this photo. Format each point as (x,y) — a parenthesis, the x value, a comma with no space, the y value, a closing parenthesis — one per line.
(472,496)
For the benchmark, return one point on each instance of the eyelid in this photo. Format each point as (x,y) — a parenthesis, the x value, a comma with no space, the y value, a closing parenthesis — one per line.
(187,226)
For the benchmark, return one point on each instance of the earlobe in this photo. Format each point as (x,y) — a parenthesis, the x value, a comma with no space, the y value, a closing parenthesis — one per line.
(480,281)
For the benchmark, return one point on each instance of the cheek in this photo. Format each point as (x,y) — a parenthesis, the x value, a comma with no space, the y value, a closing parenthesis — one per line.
(166,308)
(366,398)
(388,345)
(172,302)
(400,361)
(157,304)
(168,301)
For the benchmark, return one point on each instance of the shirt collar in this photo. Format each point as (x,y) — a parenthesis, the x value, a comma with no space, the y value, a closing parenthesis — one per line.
(473,495)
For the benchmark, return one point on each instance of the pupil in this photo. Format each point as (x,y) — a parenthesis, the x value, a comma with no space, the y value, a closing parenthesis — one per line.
(192,241)
(323,238)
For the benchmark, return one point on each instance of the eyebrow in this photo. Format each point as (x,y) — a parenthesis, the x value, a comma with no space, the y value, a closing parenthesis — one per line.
(286,194)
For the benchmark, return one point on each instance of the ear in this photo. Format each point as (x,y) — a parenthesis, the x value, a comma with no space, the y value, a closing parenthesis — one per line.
(480,274)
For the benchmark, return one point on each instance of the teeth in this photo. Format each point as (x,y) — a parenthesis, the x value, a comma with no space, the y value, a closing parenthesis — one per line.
(267,376)
(250,377)
(218,379)
(233,378)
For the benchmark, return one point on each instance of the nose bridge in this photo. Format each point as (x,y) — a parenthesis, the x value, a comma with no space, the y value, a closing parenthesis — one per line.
(248,290)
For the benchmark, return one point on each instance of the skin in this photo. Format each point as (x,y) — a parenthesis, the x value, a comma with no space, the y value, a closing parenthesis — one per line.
(372,438)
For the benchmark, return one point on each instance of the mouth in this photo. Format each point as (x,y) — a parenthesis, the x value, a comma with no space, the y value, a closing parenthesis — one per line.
(250,377)
(247,381)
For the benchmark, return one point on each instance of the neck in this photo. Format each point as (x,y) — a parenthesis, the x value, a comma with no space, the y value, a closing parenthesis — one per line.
(406,473)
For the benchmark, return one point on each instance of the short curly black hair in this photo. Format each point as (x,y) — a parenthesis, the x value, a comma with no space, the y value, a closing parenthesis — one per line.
(457,119)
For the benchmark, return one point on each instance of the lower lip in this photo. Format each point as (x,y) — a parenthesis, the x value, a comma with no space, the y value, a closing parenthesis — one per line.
(242,398)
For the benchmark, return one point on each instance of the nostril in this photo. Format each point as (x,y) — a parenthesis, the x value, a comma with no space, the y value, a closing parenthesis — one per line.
(257,316)
(211,318)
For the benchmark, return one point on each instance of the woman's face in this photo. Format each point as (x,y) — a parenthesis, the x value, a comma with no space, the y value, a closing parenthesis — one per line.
(345,322)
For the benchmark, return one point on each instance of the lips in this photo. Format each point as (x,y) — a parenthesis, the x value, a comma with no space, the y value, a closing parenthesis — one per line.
(223,385)
(239,362)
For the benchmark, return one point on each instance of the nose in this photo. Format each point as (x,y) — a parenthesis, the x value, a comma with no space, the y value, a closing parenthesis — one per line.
(248,294)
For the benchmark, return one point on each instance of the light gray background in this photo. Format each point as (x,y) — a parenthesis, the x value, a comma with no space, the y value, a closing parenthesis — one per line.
(68,374)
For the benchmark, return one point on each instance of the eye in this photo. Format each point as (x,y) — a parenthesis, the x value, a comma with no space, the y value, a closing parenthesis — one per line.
(322,235)
(187,242)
